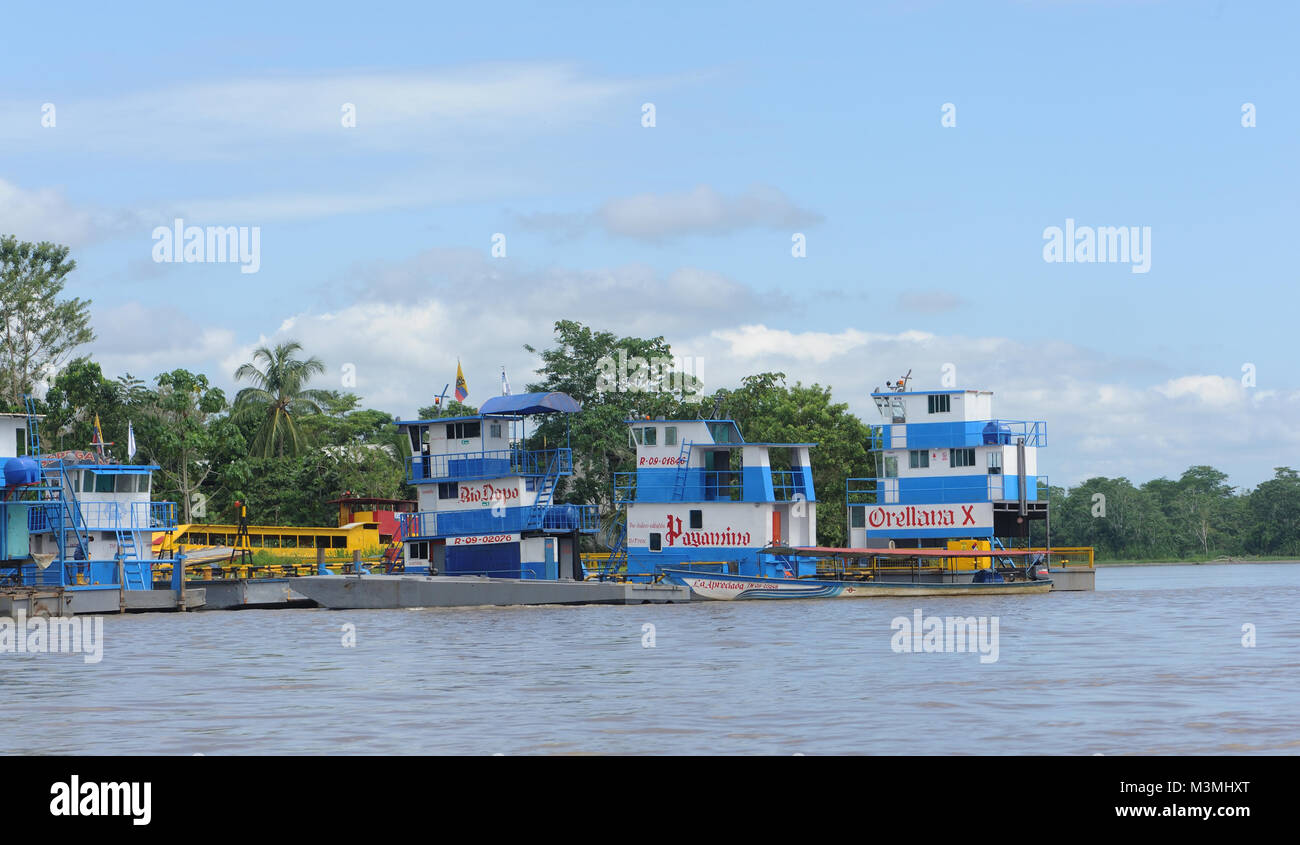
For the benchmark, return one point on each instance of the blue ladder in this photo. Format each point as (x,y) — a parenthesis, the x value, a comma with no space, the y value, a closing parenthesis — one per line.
(617,552)
(1006,561)
(70,514)
(129,550)
(33,428)
(683,461)
(543,501)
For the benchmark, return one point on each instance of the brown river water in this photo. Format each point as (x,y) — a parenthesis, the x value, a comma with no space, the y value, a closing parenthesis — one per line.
(1153,662)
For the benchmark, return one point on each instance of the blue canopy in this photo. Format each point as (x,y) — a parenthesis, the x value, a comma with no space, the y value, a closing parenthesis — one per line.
(531,403)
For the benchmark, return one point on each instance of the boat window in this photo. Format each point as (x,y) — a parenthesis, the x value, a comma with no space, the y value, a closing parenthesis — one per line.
(918,459)
(448,490)
(697,519)
(961,457)
(20,442)
(125,483)
(891,466)
(142,483)
(656,542)
(104,483)
(857,517)
(721,432)
(939,404)
(338,542)
(414,433)
(651,435)
(636,437)
(494,430)
(670,435)
(463,430)
(88,481)
(995,463)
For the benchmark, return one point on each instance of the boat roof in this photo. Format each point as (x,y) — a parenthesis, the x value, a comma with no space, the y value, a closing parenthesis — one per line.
(830,551)
(553,402)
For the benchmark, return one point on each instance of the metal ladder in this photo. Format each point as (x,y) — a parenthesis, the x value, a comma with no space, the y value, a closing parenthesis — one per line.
(544,494)
(617,552)
(683,461)
(129,552)
(1006,561)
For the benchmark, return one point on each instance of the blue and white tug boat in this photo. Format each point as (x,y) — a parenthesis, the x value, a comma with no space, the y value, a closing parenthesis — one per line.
(954,483)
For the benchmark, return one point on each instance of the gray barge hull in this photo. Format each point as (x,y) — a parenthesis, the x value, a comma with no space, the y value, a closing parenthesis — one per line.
(381,592)
(62,601)
(240,593)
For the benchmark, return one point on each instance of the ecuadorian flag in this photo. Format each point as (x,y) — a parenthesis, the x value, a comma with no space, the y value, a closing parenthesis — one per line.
(462,389)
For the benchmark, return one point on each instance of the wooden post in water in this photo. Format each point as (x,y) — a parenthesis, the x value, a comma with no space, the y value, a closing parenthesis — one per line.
(356,561)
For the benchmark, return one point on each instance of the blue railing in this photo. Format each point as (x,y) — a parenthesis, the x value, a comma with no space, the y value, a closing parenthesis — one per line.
(557,518)
(957,489)
(788,484)
(421,524)
(700,486)
(104,516)
(492,463)
(583,518)
(961,435)
(153,516)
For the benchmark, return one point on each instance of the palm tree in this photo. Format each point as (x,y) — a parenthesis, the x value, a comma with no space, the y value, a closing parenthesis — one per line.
(279,395)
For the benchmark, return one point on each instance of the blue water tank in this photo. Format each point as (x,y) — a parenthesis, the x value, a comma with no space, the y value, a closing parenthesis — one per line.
(21,471)
(995,433)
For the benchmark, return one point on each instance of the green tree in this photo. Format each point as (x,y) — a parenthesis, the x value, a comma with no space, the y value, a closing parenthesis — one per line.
(768,411)
(38,329)
(279,397)
(1273,514)
(1203,504)
(614,379)
(451,409)
(79,393)
(180,433)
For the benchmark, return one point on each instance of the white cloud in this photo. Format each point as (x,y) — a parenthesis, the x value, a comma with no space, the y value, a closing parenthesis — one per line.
(144,341)
(699,211)
(1211,390)
(404,325)
(46,214)
(265,117)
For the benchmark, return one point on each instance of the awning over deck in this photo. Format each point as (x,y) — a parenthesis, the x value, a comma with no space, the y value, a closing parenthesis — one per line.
(531,403)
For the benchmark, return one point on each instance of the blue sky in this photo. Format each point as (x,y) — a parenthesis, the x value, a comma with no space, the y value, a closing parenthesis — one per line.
(924,242)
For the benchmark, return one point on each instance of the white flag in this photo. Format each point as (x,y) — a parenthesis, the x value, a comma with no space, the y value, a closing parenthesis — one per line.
(130,440)
(505,385)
